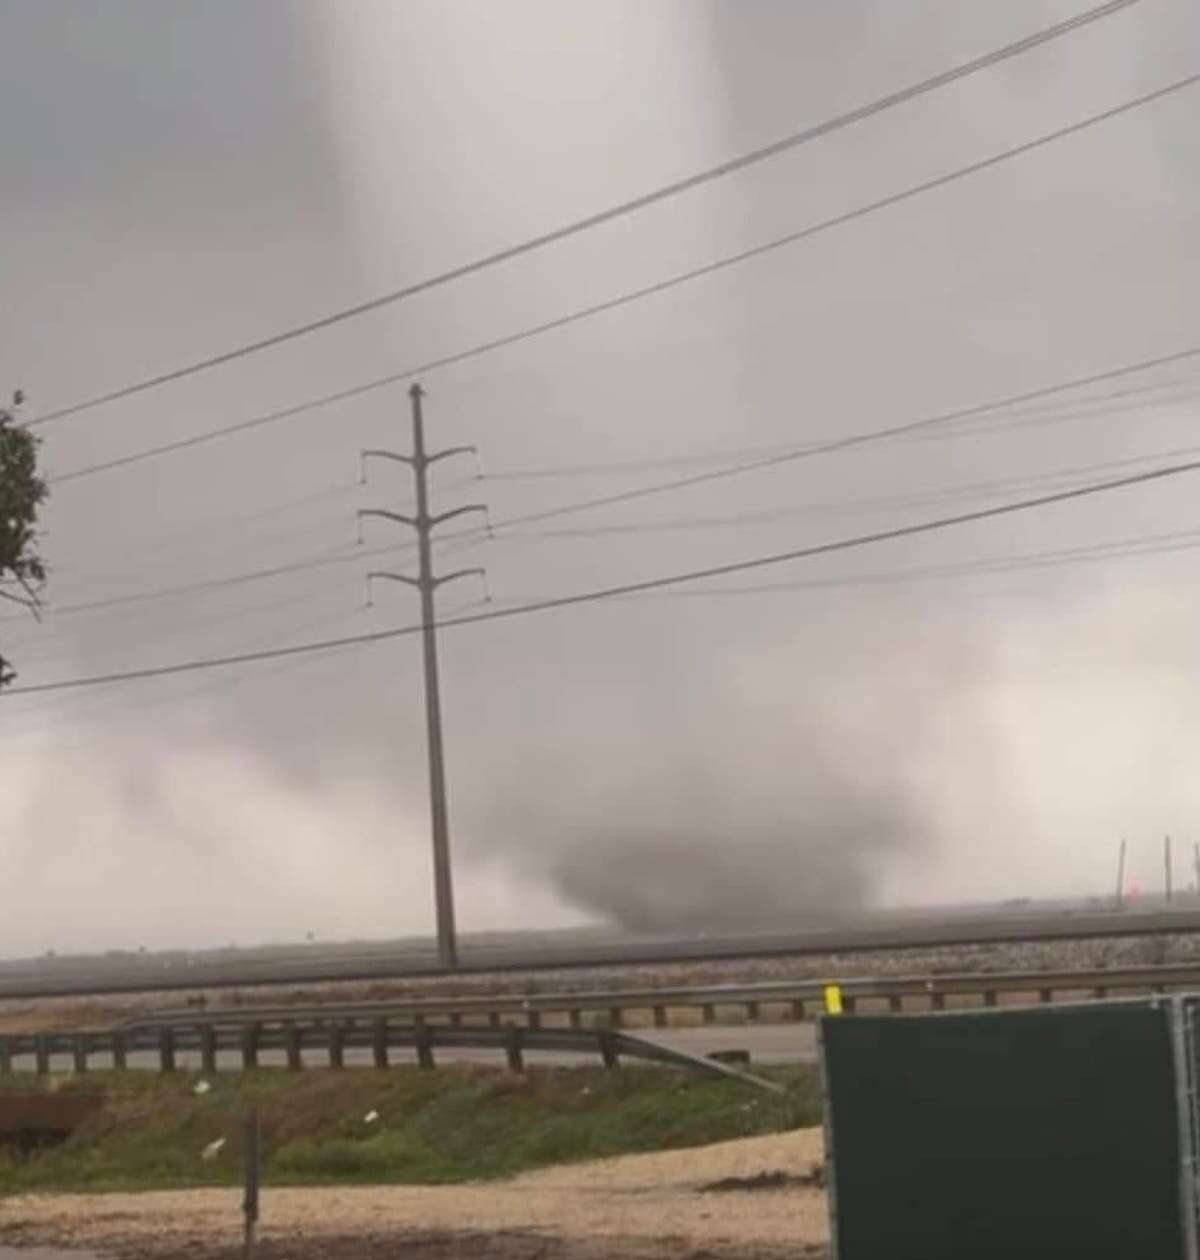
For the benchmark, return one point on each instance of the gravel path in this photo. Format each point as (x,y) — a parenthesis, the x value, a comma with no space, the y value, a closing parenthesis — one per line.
(635,1206)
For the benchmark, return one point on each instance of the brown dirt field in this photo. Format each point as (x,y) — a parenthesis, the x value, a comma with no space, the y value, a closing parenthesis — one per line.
(643,1207)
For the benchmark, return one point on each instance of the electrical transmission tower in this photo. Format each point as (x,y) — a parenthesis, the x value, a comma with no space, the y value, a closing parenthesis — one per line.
(426,583)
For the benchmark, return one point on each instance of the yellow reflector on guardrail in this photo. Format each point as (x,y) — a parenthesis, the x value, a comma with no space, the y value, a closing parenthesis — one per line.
(833,999)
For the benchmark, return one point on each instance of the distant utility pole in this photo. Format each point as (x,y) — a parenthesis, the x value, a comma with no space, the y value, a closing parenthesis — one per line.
(1120,873)
(426,583)
(1167,865)
(1196,860)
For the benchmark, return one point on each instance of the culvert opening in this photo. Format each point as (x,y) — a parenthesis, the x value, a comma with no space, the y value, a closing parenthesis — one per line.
(33,1122)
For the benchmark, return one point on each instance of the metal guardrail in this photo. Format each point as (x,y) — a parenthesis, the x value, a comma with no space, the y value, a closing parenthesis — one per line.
(250,1039)
(800,998)
(424,1025)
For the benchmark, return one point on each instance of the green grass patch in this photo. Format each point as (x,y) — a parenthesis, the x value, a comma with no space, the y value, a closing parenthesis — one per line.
(458,1123)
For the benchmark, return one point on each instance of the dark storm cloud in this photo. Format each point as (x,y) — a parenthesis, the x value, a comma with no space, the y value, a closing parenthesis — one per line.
(190,175)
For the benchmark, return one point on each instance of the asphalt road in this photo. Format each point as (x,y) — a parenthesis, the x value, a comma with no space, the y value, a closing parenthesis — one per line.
(389,960)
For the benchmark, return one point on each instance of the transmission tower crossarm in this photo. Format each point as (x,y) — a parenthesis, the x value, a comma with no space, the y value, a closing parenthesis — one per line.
(458,511)
(395,577)
(393,455)
(413,521)
(451,450)
(458,573)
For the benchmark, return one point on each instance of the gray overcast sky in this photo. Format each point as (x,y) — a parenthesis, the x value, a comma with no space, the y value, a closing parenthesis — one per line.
(180,177)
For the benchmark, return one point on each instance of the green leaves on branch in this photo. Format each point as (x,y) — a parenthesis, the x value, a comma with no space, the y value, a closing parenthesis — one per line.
(21,493)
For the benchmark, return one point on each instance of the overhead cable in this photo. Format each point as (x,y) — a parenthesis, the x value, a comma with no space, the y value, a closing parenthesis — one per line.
(626,588)
(620,210)
(628,298)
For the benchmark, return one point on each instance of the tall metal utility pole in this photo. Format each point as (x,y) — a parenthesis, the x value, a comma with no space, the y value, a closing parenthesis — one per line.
(426,584)
(1167,866)
(1120,874)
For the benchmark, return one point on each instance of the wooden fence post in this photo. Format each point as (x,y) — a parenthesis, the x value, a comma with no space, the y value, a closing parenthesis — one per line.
(251,1159)
(423,1039)
(337,1045)
(250,1034)
(512,1048)
(208,1048)
(379,1041)
(608,1049)
(166,1049)
(291,1039)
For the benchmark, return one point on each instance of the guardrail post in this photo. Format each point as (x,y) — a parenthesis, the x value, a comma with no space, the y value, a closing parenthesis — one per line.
(337,1045)
(79,1050)
(575,1018)
(849,1003)
(937,1000)
(379,1041)
(512,1048)
(118,1051)
(660,1017)
(166,1049)
(423,1039)
(608,1049)
(752,1011)
(535,1020)
(41,1054)
(895,1003)
(1045,995)
(291,1037)
(708,1012)
(798,1008)
(493,1019)
(989,997)
(1100,992)
(250,1035)
(614,1017)
(456,1019)
(5,1057)
(208,1048)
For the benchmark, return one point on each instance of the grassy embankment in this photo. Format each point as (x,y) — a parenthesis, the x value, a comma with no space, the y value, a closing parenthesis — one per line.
(458,1123)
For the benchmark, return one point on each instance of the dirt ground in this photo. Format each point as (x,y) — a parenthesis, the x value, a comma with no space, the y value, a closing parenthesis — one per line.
(639,1207)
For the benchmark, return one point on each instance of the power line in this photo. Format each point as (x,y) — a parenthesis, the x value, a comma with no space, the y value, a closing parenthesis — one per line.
(52,637)
(1143,545)
(831,445)
(769,516)
(620,210)
(237,579)
(627,588)
(630,297)
(1049,413)
(1119,549)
